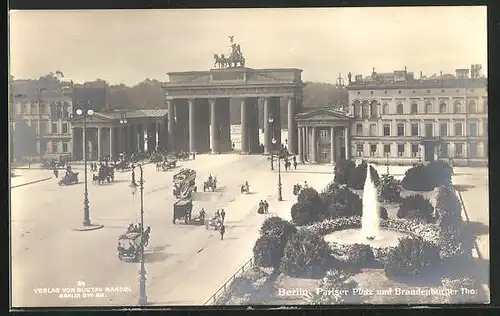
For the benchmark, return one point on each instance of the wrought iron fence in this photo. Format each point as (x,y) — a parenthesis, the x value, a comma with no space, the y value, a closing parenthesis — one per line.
(225,287)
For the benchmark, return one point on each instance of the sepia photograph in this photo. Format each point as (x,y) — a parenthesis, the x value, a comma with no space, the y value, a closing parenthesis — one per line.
(235,157)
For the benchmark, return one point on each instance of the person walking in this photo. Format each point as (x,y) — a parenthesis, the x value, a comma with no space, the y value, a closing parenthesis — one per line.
(222,215)
(222,231)
(56,172)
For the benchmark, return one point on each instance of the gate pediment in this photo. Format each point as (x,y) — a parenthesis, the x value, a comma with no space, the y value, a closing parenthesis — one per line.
(324,115)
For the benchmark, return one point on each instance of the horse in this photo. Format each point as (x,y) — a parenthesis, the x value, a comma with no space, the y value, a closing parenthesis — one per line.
(221,61)
(288,164)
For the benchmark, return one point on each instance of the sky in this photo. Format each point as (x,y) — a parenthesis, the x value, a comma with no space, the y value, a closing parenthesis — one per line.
(127,46)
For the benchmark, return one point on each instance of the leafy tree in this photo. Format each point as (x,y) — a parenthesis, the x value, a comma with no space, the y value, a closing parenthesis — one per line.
(389,189)
(268,249)
(302,214)
(306,254)
(311,198)
(343,171)
(448,207)
(343,203)
(416,207)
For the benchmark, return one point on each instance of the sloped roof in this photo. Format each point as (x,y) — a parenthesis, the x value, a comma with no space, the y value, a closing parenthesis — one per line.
(134,113)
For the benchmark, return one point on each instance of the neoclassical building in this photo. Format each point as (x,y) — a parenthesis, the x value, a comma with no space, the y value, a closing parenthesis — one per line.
(396,118)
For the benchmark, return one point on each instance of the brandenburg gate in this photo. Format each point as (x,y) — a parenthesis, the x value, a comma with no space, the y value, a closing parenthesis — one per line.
(198,105)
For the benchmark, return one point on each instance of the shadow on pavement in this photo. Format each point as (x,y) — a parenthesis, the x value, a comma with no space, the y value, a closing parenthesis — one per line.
(309,172)
(463,187)
(156,256)
(477,228)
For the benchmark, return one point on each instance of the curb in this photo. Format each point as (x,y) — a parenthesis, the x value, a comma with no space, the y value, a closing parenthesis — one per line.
(88,228)
(31,182)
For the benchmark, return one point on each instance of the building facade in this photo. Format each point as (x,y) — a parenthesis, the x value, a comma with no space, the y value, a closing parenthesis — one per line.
(47,110)
(397,119)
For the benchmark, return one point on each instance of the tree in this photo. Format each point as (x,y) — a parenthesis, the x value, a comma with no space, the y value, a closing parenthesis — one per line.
(311,198)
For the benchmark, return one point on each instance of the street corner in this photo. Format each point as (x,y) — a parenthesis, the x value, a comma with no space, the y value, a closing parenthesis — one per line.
(90,227)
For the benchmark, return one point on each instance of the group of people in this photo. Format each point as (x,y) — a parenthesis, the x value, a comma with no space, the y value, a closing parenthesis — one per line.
(137,229)
(68,171)
(263,207)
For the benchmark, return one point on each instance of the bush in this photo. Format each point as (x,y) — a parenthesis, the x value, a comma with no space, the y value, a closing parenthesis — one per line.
(306,254)
(302,214)
(383,213)
(358,254)
(425,178)
(268,249)
(342,171)
(311,198)
(416,207)
(448,208)
(413,256)
(357,176)
(389,189)
(455,243)
(458,285)
(343,202)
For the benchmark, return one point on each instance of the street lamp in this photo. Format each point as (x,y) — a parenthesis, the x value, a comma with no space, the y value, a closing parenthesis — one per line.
(271,125)
(123,121)
(84,112)
(279,155)
(143,299)
(387,162)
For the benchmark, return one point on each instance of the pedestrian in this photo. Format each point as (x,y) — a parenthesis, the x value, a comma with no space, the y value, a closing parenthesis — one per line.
(56,173)
(222,215)
(266,207)
(194,155)
(222,231)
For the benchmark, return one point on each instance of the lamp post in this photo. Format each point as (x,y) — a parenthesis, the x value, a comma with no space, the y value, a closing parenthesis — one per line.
(279,155)
(387,162)
(271,125)
(143,299)
(85,112)
(123,121)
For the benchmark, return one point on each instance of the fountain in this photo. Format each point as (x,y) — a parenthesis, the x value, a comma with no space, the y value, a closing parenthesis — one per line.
(370,221)
(370,232)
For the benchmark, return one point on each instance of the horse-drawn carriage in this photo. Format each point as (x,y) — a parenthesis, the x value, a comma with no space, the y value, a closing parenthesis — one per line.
(210,184)
(69,178)
(155,158)
(245,188)
(49,164)
(183,210)
(166,165)
(214,223)
(105,174)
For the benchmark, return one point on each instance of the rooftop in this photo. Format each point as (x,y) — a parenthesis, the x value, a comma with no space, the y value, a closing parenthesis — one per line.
(117,114)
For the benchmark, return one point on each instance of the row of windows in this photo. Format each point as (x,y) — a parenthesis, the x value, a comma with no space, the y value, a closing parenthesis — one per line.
(54,147)
(58,111)
(415,91)
(415,150)
(64,128)
(429,129)
(44,126)
(371,110)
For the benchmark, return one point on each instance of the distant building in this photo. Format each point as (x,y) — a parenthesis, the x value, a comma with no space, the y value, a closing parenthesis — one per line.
(398,119)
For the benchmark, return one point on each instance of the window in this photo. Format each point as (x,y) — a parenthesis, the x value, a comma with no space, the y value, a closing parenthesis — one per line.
(414,150)
(374,109)
(33,108)
(26,108)
(359,149)
(387,150)
(373,150)
(373,129)
(323,133)
(54,128)
(428,107)
(401,150)
(387,130)
(442,107)
(485,128)
(459,149)
(472,107)
(457,107)
(65,147)
(54,147)
(429,130)
(414,108)
(359,129)
(473,150)
(64,128)
(443,150)
(473,128)
(399,108)
(357,109)
(414,129)
(485,104)
(401,129)
(458,129)
(385,108)
(443,129)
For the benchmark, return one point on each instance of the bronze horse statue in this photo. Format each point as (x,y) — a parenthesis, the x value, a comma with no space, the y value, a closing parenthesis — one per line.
(221,61)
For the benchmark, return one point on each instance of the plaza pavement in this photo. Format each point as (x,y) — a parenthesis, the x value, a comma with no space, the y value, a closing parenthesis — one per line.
(185,264)
(29,176)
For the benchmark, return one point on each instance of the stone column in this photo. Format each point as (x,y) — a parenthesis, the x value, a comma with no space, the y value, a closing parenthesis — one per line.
(301,144)
(192,124)
(332,145)
(346,140)
(111,143)
(214,128)
(140,135)
(267,127)
(99,143)
(305,132)
(170,126)
(245,148)
(314,145)
(292,126)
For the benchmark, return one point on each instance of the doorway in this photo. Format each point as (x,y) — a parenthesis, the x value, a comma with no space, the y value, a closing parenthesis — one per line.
(429,151)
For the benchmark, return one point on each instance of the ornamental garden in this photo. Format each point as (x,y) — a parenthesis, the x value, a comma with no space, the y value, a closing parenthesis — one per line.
(428,263)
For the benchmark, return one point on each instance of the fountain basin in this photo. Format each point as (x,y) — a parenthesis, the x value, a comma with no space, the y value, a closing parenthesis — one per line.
(385,237)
